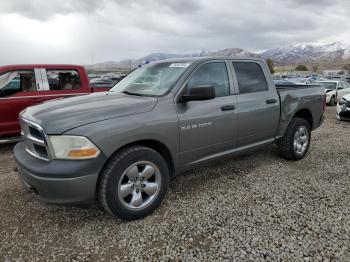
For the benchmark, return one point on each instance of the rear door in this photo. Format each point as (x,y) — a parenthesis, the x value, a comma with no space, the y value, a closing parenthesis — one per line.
(208,127)
(18,90)
(61,83)
(258,103)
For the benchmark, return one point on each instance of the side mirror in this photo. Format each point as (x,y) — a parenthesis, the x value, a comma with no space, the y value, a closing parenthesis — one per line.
(199,93)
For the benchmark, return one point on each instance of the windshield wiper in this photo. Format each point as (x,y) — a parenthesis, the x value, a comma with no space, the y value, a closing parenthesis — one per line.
(131,93)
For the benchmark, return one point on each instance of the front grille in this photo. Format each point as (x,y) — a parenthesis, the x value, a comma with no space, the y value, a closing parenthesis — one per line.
(35,140)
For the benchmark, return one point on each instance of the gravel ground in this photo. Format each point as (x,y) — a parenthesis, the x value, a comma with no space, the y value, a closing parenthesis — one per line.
(256,207)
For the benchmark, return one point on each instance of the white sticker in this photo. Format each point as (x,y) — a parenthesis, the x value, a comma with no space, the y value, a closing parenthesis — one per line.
(184,65)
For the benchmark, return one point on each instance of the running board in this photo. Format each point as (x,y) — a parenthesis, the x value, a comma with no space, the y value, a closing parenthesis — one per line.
(9,140)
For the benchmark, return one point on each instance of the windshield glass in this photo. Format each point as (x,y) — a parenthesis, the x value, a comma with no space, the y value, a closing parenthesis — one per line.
(329,85)
(151,80)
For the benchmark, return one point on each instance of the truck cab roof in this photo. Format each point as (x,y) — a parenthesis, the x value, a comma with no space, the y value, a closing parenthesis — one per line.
(31,66)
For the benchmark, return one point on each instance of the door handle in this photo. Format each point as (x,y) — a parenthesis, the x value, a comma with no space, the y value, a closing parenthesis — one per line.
(271,101)
(228,108)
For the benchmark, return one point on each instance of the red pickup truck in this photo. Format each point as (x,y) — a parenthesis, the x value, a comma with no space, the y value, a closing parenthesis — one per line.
(25,85)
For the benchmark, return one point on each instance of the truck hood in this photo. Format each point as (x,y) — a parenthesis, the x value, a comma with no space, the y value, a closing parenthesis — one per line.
(60,115)
(347,97)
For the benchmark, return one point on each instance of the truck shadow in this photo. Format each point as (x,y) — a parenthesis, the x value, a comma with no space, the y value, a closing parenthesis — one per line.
(5,148)
(234,168)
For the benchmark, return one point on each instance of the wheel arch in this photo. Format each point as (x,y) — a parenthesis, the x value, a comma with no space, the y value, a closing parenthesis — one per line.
(156,145)
(305,114)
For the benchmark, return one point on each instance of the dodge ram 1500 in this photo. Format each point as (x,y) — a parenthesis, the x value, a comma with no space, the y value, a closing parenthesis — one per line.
(121,147)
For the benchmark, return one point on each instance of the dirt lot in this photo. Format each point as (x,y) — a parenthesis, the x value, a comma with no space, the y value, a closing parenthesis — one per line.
(253,207)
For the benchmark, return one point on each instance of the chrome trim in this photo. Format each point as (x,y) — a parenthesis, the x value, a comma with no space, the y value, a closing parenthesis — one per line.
(35,140)
(10,140)
(31,141)
(36,155)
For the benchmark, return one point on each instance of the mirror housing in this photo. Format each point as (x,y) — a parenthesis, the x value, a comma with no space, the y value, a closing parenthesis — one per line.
(199,93)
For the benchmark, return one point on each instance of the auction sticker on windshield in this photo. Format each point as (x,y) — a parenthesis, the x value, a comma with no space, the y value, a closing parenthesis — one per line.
(184,65)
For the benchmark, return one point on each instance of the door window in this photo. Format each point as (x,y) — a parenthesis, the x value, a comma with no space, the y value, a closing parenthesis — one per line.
(214,74)
(250,77)
(15,83)
(63,79)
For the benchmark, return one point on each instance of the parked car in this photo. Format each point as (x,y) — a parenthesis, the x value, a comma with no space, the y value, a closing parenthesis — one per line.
(343,108)
(26,85)
(335,90)
(304,81)
(162,119)
(283,82)
(103,83)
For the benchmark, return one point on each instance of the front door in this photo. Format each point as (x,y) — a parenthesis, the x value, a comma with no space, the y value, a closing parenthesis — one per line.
(18,90)
(207,127)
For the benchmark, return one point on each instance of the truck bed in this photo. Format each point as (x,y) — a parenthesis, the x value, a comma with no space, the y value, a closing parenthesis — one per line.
(293,87)
(307,97)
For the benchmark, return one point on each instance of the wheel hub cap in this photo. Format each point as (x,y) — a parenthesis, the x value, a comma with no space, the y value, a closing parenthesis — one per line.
(139,185)
(301,140)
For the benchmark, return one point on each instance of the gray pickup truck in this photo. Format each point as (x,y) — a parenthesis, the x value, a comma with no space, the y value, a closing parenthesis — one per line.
(122,147)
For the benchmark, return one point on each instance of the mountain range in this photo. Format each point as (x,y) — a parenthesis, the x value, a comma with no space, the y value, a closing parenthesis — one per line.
(287,55)
(309,53)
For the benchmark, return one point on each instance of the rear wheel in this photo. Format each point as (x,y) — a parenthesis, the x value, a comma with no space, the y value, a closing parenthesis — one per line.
(296,141)
(134,183)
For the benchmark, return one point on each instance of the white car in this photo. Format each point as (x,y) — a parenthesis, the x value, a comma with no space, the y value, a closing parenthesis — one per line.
(343,108)
(335,90)
(304,81)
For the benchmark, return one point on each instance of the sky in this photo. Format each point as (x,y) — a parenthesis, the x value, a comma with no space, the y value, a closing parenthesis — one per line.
(86,31)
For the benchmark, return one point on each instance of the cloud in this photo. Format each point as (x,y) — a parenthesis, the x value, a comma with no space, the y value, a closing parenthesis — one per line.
(43,10)
(82,31)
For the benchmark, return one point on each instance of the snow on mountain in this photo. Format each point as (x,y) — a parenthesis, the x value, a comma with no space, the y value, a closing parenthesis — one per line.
(237,52)
(309,52)
(233,52)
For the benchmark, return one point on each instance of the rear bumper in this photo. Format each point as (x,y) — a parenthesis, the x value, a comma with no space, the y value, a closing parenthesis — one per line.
(58,181)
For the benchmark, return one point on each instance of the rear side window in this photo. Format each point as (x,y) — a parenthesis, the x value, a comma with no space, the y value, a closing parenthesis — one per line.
(250,77)
(63,79)
(214,74)
(15,83)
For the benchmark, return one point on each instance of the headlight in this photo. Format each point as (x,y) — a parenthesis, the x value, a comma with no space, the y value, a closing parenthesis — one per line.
(73,147)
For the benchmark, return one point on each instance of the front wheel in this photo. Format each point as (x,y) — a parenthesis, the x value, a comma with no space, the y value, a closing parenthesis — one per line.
(296,141)
(332,101)
(134,183)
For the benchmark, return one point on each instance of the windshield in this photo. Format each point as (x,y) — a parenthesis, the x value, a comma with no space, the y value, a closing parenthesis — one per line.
(151,80)
(329,85)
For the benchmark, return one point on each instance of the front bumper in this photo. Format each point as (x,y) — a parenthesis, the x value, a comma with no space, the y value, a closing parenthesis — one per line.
(343,112)
(59,181)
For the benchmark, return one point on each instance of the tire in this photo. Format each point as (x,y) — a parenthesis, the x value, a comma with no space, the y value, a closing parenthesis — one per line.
(133,183)
(332,101)
(288,149)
